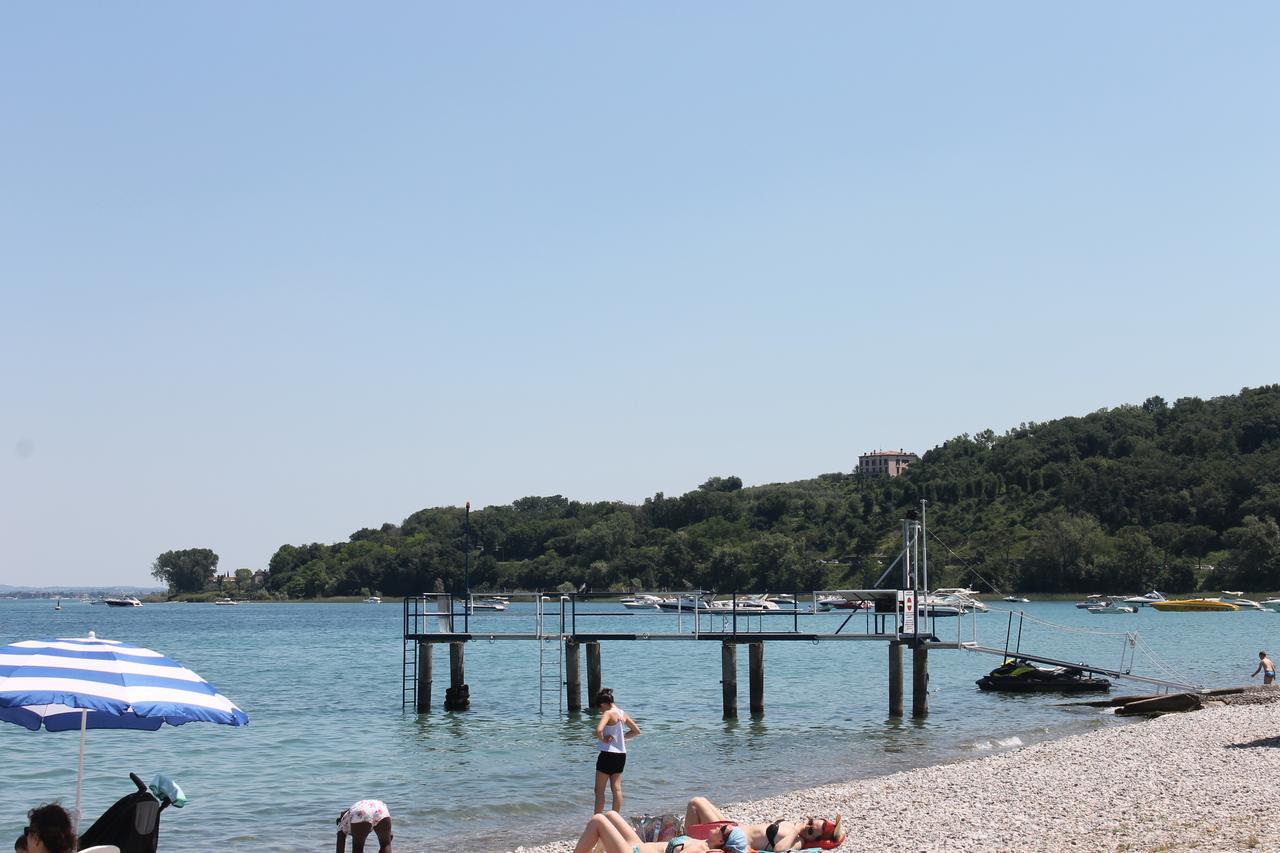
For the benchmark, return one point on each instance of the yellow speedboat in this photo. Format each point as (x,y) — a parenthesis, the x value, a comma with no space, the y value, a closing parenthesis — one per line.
(1194,605)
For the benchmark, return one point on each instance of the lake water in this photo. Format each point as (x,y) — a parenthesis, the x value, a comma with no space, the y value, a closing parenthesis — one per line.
(321,686)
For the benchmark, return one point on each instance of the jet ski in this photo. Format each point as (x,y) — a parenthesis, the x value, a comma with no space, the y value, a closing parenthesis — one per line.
(1021,676)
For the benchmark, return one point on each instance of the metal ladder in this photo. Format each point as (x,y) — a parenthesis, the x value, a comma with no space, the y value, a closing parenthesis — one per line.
(549,677)
(409,662)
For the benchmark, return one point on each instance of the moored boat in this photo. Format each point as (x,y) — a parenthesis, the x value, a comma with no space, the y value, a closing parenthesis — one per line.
(641,601)
(1195,605)
(1145,600)
(1112,607)
(1021,676)
(122,602)
(223,602)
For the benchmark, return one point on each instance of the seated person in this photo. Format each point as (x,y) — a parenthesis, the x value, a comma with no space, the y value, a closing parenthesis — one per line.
(48,831)
(362,818)
(779,835)
(612,831)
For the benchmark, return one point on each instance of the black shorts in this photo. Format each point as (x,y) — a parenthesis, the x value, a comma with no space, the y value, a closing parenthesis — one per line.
(610,763)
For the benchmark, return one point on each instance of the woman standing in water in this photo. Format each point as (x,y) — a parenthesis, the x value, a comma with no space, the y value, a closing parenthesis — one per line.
(612,732)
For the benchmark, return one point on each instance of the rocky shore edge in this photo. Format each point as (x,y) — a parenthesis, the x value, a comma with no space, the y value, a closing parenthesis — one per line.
(1206,780)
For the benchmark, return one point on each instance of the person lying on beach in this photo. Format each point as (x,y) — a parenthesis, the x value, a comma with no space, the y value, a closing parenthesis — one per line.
(612,831)
(362,818)
(48,831)
(779,835)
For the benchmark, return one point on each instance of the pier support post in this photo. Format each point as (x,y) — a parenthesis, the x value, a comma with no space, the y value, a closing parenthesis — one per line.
(729,678)
(755,654)
(919,681)
(593,671)
(895,678)
(458,696)
(422,693)
(572,681)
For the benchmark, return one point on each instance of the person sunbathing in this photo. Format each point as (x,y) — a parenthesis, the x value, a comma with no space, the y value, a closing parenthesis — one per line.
(779,835)
(612,831)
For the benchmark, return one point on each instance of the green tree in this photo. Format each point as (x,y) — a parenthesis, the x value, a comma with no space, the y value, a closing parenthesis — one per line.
(187,570)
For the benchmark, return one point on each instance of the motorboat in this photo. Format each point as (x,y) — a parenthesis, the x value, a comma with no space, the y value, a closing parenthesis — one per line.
(1195,605)
(122,602)
(1272,604)
(641,601)
(373,599)
(1112,607)
(223,602)
(1146,600)
(957,596)
(837,602)
(1016,599)
(1021,676)
(1092,601)
(750,604)
(494,603)
(1237,598)
(684,602)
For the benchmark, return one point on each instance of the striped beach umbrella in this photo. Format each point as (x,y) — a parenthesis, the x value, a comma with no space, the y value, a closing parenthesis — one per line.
(87,683)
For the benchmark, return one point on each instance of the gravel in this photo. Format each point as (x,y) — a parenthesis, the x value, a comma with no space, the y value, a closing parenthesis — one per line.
(1207,780)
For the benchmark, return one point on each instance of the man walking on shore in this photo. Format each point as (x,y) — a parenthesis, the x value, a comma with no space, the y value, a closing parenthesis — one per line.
(1267,667)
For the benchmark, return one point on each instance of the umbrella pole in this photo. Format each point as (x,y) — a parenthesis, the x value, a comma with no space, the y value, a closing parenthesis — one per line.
(75,819)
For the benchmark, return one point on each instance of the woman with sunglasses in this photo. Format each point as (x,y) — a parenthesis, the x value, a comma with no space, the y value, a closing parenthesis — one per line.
(612,832)
(48,831)
(779,835)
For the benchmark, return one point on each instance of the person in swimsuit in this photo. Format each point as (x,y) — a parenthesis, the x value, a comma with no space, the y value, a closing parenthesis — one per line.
(361,819)
(613,731)
(612,832)
(1267,667)
(779,835)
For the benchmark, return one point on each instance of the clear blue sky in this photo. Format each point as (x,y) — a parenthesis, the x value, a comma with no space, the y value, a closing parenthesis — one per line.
(274,272)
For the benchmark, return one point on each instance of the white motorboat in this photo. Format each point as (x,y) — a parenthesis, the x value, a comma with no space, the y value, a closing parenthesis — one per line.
(1112,607)
(373,599)
(1092,601)
(494,603)
(749,604)
(1146,599)
(223,602)
(955,596)
(684,602)
(641,601)
(1235,596)
(122,602)
(1016,599)
(1272,604)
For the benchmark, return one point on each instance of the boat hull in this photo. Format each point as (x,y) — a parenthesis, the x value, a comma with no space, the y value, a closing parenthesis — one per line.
(1007,684)
(1195,605)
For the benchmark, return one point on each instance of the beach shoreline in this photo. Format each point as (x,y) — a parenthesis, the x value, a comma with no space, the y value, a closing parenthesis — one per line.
(1199,780)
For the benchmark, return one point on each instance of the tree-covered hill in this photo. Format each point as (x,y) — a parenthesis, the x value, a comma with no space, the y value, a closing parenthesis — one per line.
(1122,499)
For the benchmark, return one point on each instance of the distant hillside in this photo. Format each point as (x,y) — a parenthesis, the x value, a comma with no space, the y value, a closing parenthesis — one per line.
(1122,499)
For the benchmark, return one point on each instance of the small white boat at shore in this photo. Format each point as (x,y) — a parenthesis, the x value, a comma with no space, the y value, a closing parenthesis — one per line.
(373,599)
(223,602)
(1112,607)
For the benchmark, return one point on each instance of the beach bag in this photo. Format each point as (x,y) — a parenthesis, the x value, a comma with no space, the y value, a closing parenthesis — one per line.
(661,827)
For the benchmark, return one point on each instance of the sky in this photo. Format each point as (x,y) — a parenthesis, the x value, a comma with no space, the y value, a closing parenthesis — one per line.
(272,273)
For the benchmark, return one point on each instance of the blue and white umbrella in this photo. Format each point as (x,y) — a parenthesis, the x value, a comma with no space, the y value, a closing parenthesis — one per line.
(86,683)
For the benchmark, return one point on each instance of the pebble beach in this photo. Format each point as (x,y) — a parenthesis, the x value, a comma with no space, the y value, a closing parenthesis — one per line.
(1205,780)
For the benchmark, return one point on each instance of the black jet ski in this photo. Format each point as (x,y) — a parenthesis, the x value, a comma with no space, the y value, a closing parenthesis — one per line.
(1020,676)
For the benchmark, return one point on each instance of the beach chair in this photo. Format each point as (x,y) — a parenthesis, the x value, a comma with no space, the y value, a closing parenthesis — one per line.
(131,825)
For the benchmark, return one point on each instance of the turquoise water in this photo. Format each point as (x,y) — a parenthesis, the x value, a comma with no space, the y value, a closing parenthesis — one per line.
(321,686)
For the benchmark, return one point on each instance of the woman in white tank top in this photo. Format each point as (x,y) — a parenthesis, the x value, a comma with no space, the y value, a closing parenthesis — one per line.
(612,732)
